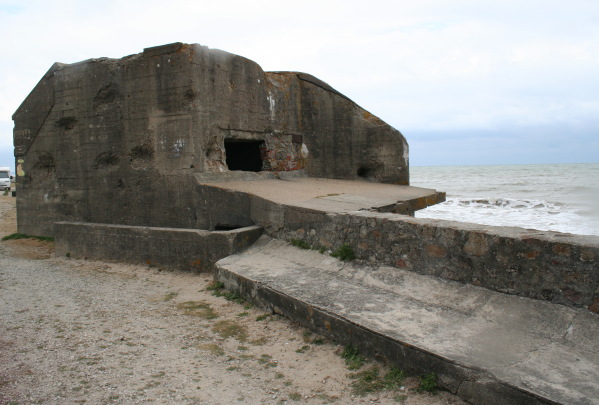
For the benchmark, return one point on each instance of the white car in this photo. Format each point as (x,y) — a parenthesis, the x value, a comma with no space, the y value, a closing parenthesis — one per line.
(4,178)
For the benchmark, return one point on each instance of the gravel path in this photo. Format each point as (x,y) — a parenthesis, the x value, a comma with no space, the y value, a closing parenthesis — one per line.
(75,331)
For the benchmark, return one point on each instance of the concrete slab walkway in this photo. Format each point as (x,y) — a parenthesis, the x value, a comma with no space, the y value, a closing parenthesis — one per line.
(328,195)
(488,347)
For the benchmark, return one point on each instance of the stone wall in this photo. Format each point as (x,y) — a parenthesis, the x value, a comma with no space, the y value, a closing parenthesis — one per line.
(119,140)
(552,266)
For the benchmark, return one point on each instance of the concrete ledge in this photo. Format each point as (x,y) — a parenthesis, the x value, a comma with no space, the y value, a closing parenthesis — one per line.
(487,347)
(185,249)
(475,386)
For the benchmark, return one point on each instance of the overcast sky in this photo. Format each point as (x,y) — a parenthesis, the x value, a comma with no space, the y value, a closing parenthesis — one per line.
(467,82)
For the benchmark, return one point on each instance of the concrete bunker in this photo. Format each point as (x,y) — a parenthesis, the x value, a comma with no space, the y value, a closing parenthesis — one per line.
(144,141)
(122,141)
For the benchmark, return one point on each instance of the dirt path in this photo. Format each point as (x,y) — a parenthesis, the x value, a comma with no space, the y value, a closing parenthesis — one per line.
(75,331)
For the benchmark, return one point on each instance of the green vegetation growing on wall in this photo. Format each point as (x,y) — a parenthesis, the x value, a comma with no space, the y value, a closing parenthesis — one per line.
(344,253)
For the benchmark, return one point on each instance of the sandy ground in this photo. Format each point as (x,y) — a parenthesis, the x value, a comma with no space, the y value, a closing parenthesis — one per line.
(76,331)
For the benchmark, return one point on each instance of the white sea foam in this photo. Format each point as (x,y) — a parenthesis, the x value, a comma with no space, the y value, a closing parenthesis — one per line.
(561,198)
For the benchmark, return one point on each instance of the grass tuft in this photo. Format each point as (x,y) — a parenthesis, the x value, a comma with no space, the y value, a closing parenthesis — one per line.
(370,381)
(344,253)
(232,296)
(366,382)
(218,290)
(213,348)
(197,308)
(394,378)
(428,383)
(303,349)
(227,329)
(352,357)
(300,243)
(215,285)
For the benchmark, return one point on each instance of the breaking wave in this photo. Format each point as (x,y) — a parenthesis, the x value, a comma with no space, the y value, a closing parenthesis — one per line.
(505,203)
(535,214)
(560,198)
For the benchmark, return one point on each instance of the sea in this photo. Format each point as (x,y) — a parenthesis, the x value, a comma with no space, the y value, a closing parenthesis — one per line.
(548,197)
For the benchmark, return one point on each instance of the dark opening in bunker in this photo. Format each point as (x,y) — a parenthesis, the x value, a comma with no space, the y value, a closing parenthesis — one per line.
(244,154)
(363,172)
(226,227)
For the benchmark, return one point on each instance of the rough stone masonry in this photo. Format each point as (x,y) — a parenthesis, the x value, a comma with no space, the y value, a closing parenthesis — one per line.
(119,140)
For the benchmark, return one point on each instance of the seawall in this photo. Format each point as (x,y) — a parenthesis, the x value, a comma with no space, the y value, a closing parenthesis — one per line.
(552,266)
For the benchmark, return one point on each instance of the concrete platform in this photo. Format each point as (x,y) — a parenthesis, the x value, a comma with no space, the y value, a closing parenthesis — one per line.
(487,347)
(328,195)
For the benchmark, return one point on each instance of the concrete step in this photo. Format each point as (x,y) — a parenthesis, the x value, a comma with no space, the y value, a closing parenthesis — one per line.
(487,347)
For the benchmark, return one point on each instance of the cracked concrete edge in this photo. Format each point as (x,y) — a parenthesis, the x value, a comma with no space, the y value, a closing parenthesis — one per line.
(473,385)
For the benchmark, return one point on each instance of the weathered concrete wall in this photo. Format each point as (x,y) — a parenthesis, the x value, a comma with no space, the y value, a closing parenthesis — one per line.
(183,249)
(343,140)
(118,141)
